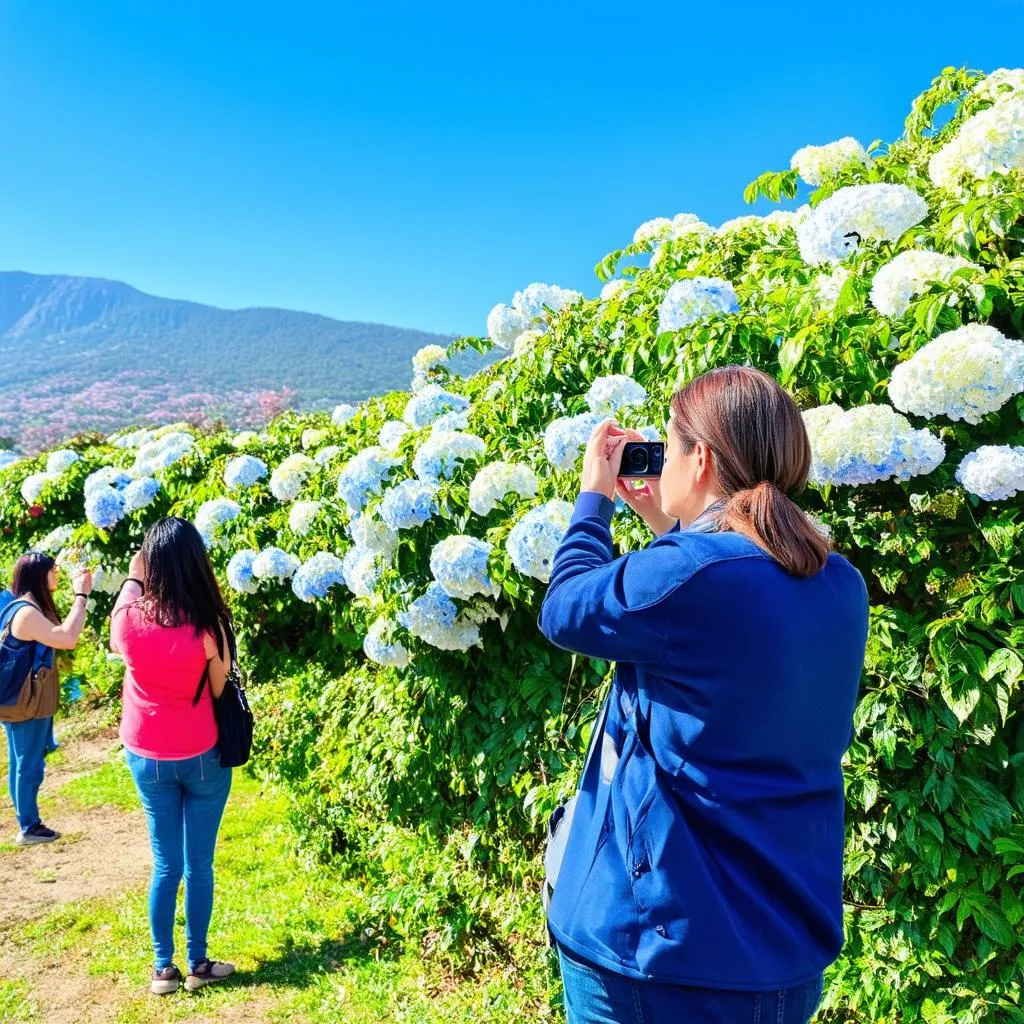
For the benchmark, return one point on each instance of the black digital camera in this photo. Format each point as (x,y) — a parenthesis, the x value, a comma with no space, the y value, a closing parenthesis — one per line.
(642,458)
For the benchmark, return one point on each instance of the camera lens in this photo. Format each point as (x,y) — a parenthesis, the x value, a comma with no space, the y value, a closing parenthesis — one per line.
(638,459)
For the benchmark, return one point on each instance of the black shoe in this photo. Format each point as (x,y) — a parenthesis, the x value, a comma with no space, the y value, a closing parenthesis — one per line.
(37,834)
(164,982)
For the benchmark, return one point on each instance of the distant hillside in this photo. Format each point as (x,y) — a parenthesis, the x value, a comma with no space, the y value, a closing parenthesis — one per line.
(70,343)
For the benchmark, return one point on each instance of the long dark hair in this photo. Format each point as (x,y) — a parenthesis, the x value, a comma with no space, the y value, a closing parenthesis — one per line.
(761,456)
(180,588)
(29,579)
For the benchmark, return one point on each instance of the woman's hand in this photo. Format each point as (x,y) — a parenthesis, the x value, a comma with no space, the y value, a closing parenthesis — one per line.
(603,458)
(82,582)
(137,566)
(645,499)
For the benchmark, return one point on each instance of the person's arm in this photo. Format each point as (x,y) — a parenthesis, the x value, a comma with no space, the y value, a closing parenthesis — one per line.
(131,591)
(218,663)
(32,624)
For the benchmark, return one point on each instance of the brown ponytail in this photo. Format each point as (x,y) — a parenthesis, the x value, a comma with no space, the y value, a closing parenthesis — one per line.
(760,456)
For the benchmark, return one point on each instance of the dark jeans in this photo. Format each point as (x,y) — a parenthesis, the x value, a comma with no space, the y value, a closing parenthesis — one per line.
(183,801)
(596,996)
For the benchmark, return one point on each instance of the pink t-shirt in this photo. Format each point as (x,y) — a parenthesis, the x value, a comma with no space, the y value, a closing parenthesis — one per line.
(163,666)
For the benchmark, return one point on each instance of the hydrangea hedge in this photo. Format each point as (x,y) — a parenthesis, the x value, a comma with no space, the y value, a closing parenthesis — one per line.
(386,563)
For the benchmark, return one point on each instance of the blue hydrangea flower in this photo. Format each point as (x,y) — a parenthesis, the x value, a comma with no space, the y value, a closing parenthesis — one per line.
(607,395)
(315,577)
(61,460)
(343,413)
(440,455)
(409,504)
(378,648)
(566,437)
(274,563)
(140,493)
(436,621)
(367,531)
(392,433)
(240,575)
(451,421)
(431,402)
(212,515)
(533,541)
(364,476)
(107,476)
(104,507)
(361,571)
(325,455)
(8,459)
(692,299)
(459,564)
(244,471)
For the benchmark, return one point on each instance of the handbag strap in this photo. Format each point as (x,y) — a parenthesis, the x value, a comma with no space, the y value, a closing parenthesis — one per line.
(598,730)
(232,651)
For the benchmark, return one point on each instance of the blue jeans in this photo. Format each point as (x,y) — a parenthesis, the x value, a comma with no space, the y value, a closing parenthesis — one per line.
(596,996)
(184,801)
(26,748)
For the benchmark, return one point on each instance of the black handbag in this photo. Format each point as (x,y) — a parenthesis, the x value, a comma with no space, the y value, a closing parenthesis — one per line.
(232,712)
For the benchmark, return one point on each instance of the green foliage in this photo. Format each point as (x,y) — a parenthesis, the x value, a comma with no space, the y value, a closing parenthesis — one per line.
(468,752)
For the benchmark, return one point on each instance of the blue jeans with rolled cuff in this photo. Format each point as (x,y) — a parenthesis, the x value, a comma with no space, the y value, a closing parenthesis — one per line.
(594,995)
(184,802)
(26,749)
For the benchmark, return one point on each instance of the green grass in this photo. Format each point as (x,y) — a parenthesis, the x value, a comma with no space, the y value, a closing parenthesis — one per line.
(305,943)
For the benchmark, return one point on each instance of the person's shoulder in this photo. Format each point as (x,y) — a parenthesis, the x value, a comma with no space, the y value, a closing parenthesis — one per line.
(840,566)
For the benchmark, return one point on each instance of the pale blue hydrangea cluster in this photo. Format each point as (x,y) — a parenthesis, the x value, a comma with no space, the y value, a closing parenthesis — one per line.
(287,479)
(239,572)
(524,342)
(909,274)
(435,620)
(8,458)
(391,434)
(994,472)
(651,433)
(428,358)
(431,402)
(107,579)
(459,564)
(440,455)
(409,504)
(163,452)
(839,225)
(315,577)
(527,310)
(212,515)
(274,563)
(312,436)
(609,395)
(693,298)
(498,479)
(369,532)
(533,541)
(815,164)
(566,437)
(244,471)
(363,477)
(963,374)
(326,454)
(32,486)
(104,506)
(302,515)
(107,476)
(868,444)
(614,289)
(59,461)
(773,225)
(361,570)
(56,539)
(140,493)
(380,646)
(133,439)
(343,413)
(660,230)
(451,421)
(991,142)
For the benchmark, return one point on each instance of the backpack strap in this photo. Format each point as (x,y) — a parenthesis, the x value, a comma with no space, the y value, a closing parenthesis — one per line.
(7,616)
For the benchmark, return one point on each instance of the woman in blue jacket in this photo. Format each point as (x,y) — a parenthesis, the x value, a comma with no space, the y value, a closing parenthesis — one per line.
(702,876)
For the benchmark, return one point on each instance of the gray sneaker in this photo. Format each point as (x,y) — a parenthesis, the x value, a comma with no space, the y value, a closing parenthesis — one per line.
(206,972)
(37,834)
(164,982)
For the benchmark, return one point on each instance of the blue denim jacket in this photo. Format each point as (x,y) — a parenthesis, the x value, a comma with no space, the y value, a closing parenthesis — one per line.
(707,842)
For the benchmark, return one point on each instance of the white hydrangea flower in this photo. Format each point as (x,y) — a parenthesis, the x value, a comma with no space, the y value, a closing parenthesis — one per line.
(459,564)
(56,539)
(747,222)
(566,437)
(212,515)
(363,477)
(32,486)
(380,646)
(244,471)
(614,289)
(498,479)
(162,452)
(909,274)
(239,573)
(287,479)
(533,541)
(609,395)
(993,472)
(430,403)
(302,515)
(371,534)
(815,164)
(107,579)
(828,286)
(856,214)
(693,298)
(999,84)
(244,437)
(868,444)
(133,439)
(312,436)
(505,324)
(991,142)
(439,456)
(59,461)
(343,413)
(435,620)
(658,229)
(140,493)
(274,563)
(427,358)
(361,571)
(962,374)
(315,577)
(409,504)
(529,309)
(525,342)
(391,434)
(324,456)
(451,421)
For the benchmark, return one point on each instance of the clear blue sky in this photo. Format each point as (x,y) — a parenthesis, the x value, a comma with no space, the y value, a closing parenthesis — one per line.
(415,163)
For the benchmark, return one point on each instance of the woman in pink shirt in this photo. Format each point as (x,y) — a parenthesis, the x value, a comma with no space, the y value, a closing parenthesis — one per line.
(170,624)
